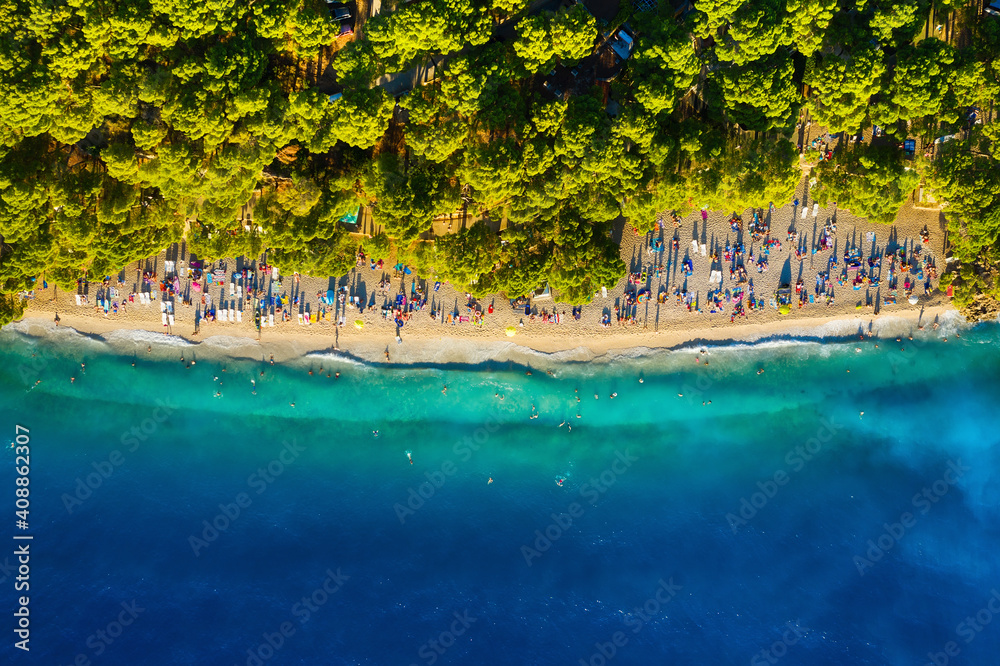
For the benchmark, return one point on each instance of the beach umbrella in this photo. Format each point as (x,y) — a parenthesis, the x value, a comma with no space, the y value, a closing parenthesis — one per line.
(358,324)
(913,300)
(784,309)
(511,331)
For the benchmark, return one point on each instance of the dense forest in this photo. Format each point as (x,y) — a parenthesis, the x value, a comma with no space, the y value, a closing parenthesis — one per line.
(126,125)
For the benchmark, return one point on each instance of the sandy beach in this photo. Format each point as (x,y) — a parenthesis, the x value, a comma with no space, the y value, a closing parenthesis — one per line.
(655,325)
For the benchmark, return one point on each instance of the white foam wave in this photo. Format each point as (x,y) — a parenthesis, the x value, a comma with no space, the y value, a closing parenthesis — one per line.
(335,357)
(147,337)
(34,328)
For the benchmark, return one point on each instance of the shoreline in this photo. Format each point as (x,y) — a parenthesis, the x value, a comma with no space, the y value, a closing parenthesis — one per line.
(526,348)
(680,308)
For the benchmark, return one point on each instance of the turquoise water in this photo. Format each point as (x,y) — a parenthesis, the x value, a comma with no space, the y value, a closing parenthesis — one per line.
(241,530)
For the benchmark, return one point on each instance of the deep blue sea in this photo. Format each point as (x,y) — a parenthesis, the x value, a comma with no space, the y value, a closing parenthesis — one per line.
(707,514)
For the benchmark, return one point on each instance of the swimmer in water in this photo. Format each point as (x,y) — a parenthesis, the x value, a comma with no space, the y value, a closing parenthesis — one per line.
(409,456)
(444,391)
(760,371)
(490,481)
(149,349)
(336,375)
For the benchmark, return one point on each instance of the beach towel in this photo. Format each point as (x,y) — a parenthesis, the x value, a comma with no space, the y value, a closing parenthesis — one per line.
(300,318)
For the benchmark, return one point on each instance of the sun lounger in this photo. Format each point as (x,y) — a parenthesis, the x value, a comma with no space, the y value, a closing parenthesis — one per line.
(232,289)
(239,316)
(270,320)
(232,314)
(694,247)
(223,315)
(170,317)
(704,250)
(163,306)
(604,292)
(299,314)
(78,302)
(163,316)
